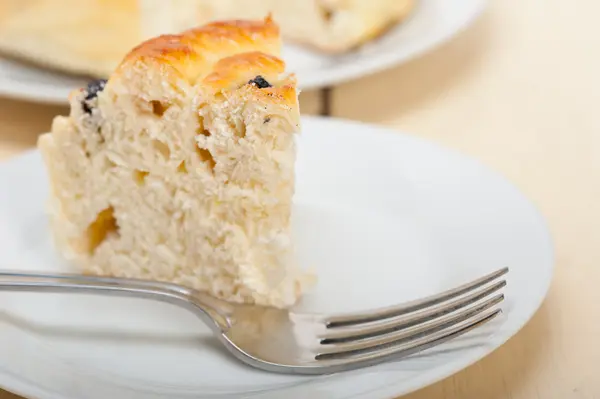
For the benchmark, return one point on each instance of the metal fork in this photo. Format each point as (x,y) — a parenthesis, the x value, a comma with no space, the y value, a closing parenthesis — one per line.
(287,342)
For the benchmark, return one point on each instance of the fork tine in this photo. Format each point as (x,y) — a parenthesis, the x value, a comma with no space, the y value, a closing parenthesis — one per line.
(410,334)
(368,357)
(389,325)
(394,311)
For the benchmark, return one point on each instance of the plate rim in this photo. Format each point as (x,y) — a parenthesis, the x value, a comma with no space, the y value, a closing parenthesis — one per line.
(375,65)
(19,385)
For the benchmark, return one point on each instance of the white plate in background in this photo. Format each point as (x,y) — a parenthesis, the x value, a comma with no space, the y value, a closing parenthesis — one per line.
(382,217)
(432,23)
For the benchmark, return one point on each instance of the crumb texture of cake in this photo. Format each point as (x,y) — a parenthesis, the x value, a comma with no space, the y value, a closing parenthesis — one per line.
(180,167)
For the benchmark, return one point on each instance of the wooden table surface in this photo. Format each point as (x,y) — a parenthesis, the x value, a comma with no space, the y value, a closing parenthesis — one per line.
(520,91)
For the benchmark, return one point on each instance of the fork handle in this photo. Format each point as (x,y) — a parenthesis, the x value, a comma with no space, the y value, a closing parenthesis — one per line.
(211,311)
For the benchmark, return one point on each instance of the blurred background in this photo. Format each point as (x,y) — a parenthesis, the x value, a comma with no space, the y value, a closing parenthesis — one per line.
(511,83)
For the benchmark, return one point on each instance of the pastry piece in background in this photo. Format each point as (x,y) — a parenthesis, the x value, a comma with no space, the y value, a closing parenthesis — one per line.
(328,25)
(180,167)
(87,37)
(92,36)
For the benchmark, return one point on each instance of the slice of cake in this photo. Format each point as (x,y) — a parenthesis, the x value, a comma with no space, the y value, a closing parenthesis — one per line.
(180,167)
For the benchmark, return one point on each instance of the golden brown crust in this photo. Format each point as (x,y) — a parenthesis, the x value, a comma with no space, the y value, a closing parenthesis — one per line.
(236,30)
(285,94)
(197,52)
(234,70)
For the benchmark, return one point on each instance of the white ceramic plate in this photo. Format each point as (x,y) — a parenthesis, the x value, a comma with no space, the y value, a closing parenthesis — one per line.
(382,217)
(432,23)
